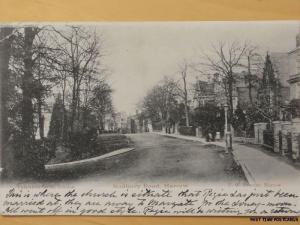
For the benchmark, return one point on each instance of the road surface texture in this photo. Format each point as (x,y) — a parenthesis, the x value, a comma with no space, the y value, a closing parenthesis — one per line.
(159,159)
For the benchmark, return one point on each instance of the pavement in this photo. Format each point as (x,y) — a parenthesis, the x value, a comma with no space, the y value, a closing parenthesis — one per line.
(163,160)
(259,167)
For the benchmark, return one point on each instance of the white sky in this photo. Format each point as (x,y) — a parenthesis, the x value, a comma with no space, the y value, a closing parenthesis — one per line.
(140,54)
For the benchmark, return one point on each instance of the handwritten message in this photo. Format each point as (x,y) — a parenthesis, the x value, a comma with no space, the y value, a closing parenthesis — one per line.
(150,201)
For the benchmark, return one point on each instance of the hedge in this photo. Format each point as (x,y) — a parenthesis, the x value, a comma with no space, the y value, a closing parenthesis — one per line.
(190,131)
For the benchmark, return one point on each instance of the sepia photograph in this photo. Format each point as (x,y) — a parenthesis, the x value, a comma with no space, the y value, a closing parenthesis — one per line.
(155,106)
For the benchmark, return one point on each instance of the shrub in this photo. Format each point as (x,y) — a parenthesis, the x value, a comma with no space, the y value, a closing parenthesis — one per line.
(47,147)
(28,157)
(82,143)
(190,131)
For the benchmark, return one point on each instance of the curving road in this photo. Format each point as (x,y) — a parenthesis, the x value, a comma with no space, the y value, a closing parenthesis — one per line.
(158,158)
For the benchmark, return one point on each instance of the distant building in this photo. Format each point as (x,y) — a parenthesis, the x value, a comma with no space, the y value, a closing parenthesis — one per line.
(138,123)
(212,91)
(280,61)
(241,91)
(121,122)
(109,122)
(287,70)
(204,93)
(286,67)
(294,70)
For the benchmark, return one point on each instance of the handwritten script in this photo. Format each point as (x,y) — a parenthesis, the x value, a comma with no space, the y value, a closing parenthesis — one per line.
(146,201)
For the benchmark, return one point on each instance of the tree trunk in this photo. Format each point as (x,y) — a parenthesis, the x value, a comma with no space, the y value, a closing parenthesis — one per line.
(78,102)
(230,95)
(5,49)
(101,122)
(41,117)
(250,81)
(27,85)
(187,122)
(74,104)
(63,111)
(31,164)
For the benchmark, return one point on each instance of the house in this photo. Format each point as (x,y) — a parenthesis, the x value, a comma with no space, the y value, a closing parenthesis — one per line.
(287,70)
(212,91)
(204,93)
(294,70)
(121,122)
(241,91)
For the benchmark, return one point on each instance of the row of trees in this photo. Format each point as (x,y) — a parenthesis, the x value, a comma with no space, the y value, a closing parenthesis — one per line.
(38,64)
(170,100)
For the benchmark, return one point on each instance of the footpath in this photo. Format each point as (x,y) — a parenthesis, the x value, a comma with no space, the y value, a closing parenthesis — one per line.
(259,167)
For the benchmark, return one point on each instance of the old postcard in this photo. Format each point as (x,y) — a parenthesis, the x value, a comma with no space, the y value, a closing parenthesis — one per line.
(150,118)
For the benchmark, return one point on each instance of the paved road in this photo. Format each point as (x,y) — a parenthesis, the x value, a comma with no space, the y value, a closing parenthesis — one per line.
(163,159)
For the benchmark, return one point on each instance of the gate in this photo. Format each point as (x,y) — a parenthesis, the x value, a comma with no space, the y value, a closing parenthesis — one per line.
(268,139)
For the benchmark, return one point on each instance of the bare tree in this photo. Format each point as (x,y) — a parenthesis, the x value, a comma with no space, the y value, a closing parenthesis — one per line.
(226,60)
(254,63)
(58,62)
(80,48)
(161,102)
(27,88)
(45,77)
(183,72)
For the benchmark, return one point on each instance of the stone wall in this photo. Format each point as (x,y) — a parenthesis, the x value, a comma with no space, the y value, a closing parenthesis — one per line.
(295,130)
(286,127)
(286,137)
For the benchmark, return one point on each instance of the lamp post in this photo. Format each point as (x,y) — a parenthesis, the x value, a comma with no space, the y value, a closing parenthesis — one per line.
(226,128)
(227,133)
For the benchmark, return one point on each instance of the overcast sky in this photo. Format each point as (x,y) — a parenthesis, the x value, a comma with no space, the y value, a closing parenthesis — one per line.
(140,54)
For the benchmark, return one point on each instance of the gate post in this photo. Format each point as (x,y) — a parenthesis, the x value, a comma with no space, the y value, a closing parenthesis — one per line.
(256,132)
(286,129)
(296,138)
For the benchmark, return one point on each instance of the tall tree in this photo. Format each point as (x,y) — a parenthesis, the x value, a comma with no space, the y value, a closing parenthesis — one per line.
(161,102)
(80,48)
(253,66)
(28,83)
(227,61)
(101,102)
(269,91)
(44,74)
(5,52)
(31,163)
(183,72)
(57,118)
